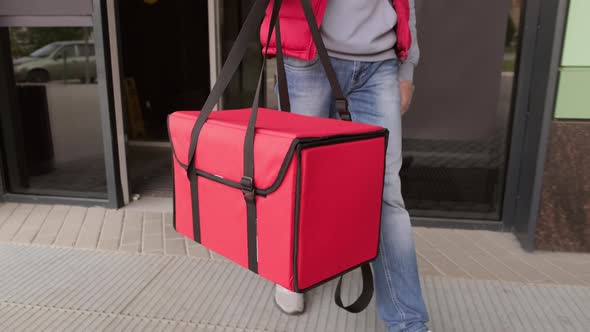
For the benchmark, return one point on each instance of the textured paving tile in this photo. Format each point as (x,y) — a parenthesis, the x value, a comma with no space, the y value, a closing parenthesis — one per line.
(219,293)
(443,264)
(112,245)
(32,225)
(153,223)
(196,250)
(132,228)
(175,247)
(52,225)
(426,267)
(68,278)
(68,234)
(132,248)
(15,221)
(472,267)
(6,210)
(444,252)
(576,264)
(60,289)
(217,256)
(90,231)
(169,232)
(153,244)
(110,235)
(35,318)
(154,204)
(557,274)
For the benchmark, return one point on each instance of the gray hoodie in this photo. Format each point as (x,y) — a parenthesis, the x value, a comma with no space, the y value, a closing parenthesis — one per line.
(363,30)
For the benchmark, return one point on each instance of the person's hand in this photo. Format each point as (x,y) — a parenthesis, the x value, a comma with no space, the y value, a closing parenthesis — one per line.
(406,93)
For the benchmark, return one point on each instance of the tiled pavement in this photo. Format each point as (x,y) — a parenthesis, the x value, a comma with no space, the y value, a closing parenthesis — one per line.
(451,253)
(87,269)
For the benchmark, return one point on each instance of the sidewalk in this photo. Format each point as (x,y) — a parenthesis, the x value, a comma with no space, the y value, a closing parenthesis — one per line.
(72,268)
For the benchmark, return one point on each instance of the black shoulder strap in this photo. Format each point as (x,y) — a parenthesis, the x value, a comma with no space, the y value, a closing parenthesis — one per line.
(364,299)
(341,101)
(247,181)
(282,75)
(248,31)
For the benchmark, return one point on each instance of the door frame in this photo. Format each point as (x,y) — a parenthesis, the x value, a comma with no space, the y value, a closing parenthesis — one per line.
(120,107)
(542,47)
(215,59)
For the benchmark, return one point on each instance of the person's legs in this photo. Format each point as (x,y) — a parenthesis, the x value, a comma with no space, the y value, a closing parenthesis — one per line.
(374,99)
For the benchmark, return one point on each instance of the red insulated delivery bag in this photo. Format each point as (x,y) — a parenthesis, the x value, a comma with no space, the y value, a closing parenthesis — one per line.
(295,199)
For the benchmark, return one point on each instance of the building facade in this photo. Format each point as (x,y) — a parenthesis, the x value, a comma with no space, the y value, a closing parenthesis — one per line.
(496,132)
(564,219)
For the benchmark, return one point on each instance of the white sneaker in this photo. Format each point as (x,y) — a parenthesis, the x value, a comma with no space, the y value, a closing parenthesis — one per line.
(289,302)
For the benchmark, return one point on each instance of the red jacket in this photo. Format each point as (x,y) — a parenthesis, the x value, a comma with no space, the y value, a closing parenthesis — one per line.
(296,37)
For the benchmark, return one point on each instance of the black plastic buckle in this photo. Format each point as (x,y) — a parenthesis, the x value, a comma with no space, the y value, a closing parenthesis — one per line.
(248,189)
(342,109)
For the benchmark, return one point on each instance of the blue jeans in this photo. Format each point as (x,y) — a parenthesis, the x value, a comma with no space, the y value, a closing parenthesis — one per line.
(372,89)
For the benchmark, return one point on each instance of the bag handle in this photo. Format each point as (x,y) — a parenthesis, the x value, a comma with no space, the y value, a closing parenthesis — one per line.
(237,53)
(234,58)
(341,101)
(282,75)
(363,301)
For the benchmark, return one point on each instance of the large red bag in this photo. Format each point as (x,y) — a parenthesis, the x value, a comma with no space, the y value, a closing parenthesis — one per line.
(309,212)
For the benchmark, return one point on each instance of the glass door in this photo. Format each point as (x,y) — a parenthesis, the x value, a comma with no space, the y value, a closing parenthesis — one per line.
(56,128)
(53,138)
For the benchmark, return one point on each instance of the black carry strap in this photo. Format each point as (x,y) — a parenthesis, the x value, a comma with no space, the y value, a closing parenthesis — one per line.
(232,63)
(282,75)
(247,181)
(234,58)
(341,101)
(367,293)
(192,176)
(248,32)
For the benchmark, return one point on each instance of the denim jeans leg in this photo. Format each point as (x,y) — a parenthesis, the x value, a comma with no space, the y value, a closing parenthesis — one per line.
(375,99)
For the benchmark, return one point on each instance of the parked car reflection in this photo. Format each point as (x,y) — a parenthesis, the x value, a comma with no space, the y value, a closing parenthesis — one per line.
(63,60)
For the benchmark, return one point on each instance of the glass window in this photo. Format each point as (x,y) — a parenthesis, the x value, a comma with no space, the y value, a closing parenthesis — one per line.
(86,50)
(67,51)
(456,132)
(53,135)
(45,51)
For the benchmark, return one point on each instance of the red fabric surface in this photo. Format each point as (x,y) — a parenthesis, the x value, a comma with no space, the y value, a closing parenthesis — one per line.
(332,238)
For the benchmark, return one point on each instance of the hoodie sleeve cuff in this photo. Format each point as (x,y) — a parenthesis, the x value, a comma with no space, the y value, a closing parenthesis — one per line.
(406,71)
